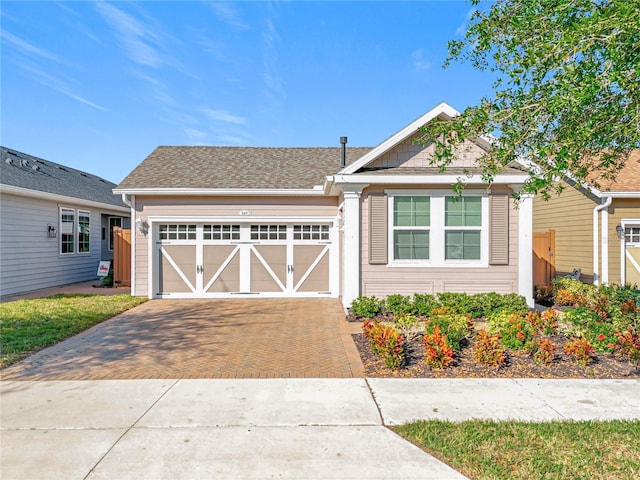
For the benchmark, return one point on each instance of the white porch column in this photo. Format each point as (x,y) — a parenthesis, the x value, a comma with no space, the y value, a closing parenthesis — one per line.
(525,248)
(351,243)
(604,245)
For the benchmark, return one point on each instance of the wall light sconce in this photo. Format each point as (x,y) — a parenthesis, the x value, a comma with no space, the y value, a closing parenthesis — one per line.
(142,226)
(620,231)
(51,231)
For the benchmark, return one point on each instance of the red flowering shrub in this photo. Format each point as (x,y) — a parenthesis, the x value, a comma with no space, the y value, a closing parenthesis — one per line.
(580,350)
(544,352)
(440,311)
(385,341)
(489,349)
(628,345)
(565,297)
(438,352)
(546,323)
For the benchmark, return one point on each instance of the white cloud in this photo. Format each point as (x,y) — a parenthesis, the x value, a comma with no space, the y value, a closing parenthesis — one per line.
(271,75)
(420,63)
(224,116)
(229,14)
(58,85)
(462,28)
(30,49)
(139,41)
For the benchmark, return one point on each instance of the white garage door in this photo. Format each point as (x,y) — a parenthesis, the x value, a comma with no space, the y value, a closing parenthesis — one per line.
(202,260)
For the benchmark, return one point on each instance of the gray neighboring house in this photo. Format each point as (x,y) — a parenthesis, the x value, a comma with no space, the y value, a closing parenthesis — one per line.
(55,223)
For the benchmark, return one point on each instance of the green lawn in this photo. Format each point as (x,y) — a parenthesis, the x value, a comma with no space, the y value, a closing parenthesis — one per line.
(29,325)
(566,450)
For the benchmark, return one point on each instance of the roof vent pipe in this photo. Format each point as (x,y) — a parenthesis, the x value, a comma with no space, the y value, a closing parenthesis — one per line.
(343,161)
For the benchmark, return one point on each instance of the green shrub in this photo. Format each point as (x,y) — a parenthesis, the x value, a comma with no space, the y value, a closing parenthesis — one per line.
(399,304)
(367,307)
(456,327)
(455,302)
(514,302)
(482,304)
(424,303)
(576,321)
(408,325)
(514,329)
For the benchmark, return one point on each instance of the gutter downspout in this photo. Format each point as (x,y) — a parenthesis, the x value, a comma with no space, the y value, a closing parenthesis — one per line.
(596,240)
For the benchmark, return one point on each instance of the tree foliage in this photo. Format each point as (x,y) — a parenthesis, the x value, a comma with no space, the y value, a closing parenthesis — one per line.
(567,93)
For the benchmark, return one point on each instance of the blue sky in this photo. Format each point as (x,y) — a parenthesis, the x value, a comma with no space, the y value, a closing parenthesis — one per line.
(98,85)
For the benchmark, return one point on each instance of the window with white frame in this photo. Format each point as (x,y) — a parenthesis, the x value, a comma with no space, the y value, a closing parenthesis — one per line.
(67,230)
(632,235)
(84,231)
(410,228)
(433,228)
(463,228)
(75,231)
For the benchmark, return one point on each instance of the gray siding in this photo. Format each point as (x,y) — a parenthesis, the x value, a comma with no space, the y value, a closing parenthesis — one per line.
(29,259)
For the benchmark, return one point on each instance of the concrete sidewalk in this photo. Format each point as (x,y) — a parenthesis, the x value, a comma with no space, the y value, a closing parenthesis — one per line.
(285,428)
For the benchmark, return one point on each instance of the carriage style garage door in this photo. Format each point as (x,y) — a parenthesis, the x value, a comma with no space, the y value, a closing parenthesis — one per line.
(233,259)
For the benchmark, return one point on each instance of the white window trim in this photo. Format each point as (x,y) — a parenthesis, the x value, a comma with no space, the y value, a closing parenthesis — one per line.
(437,230)
(88,214)
(75,228)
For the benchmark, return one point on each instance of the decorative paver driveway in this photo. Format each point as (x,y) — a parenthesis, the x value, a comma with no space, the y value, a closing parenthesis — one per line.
(245,338)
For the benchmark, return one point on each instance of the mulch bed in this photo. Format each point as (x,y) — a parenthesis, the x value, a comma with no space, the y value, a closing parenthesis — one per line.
(519,364)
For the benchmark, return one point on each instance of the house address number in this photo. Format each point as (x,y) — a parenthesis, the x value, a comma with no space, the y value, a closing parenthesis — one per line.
(244,213)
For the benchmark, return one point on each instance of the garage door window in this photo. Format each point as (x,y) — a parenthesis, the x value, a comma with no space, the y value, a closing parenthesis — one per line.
(221,232)
(177,232)
(311,232)
(268,232)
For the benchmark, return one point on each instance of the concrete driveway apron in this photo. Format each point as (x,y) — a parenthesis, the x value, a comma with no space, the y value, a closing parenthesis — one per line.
(244,338)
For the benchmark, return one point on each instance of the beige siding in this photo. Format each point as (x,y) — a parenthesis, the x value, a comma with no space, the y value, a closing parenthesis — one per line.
(195,206)
(382,280)
(627,208)
(571,215)
(408,154)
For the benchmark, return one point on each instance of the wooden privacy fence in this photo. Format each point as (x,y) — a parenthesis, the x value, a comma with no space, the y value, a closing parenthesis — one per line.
(544,257)
(121,257)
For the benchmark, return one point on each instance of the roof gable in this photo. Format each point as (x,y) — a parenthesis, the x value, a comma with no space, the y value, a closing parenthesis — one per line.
(25,171)
(442,110)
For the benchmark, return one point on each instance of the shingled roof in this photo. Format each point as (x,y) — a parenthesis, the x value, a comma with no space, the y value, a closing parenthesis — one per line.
(627,179)
(21,170)
(238,167)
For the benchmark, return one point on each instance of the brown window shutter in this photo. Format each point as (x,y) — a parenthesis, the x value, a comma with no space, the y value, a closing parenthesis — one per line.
(499,229)
(377,229)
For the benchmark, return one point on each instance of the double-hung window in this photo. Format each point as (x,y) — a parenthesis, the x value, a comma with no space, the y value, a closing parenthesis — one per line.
(67,230)
(437,228)
(75,231)
(411,221)
(463,228)
(84,232)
